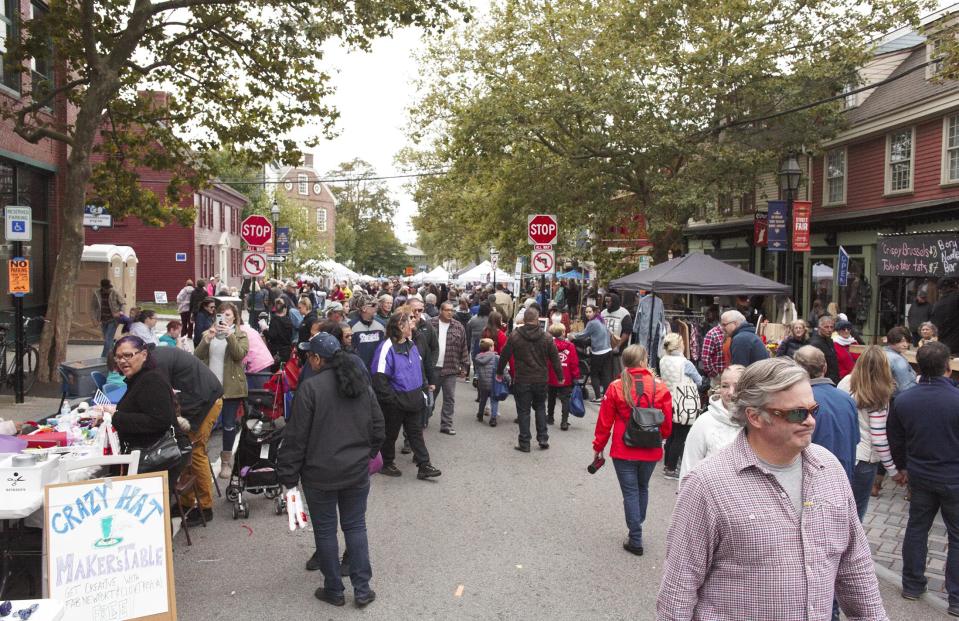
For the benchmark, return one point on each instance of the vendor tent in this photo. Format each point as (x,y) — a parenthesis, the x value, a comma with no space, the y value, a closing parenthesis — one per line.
(572,274)
(483,273)
(437,275)
(328,268)
(699,274)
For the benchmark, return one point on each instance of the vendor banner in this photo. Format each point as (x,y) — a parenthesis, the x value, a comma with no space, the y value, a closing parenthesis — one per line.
(802,213)
(777,231)
(843,266)
(924,255)
(760,222)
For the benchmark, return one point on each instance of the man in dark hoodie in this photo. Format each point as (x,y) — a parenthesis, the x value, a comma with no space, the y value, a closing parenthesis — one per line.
(531,348)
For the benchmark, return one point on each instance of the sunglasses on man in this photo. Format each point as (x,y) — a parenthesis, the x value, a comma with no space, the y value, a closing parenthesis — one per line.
(794,415)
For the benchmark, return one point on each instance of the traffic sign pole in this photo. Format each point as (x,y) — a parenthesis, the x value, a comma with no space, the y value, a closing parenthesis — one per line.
(19,348)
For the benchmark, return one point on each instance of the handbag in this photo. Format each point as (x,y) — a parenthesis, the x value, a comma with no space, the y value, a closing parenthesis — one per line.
(163,454)
(642,428)
(686,403)
(576,405)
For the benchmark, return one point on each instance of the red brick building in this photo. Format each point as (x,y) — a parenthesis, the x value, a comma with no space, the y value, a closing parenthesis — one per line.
(302,185)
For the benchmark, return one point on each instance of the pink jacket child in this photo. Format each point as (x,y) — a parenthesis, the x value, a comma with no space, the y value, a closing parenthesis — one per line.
(567,355)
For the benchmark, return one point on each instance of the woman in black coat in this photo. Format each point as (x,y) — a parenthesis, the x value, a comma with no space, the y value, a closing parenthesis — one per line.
(203,320)
(279,334)
(798,337)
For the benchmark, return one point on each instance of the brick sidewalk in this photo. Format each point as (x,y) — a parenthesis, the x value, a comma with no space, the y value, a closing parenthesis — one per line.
(885,526)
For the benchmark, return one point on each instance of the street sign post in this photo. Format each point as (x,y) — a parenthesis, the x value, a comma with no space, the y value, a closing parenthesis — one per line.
(18,279)
(19,223)
(543,261)
(254,264)
(256,230)
(542,229)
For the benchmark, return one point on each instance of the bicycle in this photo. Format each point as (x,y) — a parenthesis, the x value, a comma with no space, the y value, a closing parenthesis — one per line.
(9,364)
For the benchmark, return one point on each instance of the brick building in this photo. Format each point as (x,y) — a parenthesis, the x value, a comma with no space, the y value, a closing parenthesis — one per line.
(302,185)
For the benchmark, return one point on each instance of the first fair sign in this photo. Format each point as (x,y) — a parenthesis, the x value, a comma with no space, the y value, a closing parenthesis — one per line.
(109,552)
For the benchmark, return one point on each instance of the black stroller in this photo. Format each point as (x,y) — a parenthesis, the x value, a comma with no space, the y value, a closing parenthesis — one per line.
(254,465)
(582,352)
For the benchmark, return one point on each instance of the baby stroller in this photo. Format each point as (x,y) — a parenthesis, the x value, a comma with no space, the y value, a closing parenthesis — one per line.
(582,352)
(254,465)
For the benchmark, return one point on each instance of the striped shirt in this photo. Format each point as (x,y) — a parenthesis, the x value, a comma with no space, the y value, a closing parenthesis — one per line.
(873,444)
(737,550)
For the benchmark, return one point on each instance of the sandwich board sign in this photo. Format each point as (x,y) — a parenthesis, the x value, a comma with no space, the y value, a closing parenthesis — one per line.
(109,549)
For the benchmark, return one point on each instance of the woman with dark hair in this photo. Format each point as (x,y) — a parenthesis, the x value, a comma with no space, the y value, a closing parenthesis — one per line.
(222,348)
(279,334)
(335,428)
(143,325)
(400,386)
(203,319)
(147,410)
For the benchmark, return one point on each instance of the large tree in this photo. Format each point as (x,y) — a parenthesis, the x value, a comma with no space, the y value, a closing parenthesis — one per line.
(240,72)
(561,106)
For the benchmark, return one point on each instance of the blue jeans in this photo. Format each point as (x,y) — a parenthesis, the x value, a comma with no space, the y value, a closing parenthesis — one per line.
(228,422)
(109,329)
(484,396)
(352,507)
(862,479)
(634,482)
(927,499)
(531,396)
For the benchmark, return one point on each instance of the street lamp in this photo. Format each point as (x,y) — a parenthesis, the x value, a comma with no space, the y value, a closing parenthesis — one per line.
(275,212)
(790,175)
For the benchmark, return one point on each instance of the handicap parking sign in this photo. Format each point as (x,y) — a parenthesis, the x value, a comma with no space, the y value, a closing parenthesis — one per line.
(18,221)
(18,226)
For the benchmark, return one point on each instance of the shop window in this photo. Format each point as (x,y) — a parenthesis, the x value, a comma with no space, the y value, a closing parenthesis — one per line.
(899,160)
(821,278)
(950,149)
(9,76)
(835,172)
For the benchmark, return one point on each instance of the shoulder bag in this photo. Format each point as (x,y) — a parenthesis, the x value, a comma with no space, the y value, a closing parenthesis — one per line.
(164,453)
(642,428)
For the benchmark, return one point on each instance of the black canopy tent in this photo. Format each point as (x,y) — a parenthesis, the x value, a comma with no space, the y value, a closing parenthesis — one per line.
(697,274)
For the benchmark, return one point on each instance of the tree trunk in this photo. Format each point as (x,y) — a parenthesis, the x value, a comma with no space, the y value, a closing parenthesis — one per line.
(60,306)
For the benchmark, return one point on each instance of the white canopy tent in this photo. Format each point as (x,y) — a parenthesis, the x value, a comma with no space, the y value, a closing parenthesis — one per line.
(329,269)
(483,273)
(437,275)
(418,277)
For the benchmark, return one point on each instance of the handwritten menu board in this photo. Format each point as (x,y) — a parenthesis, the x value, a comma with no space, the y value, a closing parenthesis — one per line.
(929,255)
(109,549)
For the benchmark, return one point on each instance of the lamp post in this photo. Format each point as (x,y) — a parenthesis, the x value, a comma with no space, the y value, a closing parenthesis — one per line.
(790,175)
(275,213)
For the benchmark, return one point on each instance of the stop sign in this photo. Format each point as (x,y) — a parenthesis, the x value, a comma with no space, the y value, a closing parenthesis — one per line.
(256,230)
(542,229)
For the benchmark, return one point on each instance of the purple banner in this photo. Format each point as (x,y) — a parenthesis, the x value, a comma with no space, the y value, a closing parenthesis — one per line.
(777,227)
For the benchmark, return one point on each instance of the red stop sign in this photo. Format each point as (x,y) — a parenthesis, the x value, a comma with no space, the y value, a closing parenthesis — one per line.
(542,229)
(256,230)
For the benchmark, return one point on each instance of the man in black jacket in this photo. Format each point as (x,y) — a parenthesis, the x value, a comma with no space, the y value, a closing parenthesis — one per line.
(427,343)
(532,349)
(945,315)
(200,399)
(822,340)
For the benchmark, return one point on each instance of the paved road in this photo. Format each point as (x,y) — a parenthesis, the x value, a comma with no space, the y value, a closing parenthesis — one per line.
(527,536)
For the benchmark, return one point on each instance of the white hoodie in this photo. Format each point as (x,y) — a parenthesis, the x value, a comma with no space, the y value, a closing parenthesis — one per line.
(711,433)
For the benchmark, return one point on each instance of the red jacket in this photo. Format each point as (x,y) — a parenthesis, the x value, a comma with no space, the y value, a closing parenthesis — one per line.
(567,355)
(846,360)
(614,414)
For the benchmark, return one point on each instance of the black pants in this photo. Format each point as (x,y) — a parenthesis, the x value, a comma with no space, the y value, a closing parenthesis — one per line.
(675,444)
(564,393)
(531,396)
(410,422)
(601,372)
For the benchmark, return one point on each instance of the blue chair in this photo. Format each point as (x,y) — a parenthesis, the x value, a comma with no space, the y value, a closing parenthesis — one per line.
(99,379)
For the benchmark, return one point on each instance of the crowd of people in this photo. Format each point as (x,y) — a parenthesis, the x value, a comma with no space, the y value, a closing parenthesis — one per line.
(776,447)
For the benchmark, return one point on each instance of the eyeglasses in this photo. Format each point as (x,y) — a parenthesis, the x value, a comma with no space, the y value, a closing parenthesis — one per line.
(795,415)
(127,355)
(417,311)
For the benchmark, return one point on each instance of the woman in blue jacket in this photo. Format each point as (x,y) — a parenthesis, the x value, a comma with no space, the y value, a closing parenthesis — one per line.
(400,385)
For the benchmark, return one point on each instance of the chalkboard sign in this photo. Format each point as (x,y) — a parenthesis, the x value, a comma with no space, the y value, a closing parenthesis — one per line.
(928,255)
(109,554)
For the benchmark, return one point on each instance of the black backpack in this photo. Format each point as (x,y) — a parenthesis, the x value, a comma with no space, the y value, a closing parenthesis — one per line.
(642,428)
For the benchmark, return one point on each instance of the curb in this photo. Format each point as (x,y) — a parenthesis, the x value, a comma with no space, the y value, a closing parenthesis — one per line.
(887,575)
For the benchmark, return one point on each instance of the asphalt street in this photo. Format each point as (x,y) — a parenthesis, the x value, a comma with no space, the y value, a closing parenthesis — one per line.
(500,535)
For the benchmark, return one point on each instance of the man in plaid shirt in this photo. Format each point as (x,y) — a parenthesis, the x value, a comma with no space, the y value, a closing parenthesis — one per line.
(712,356)
(767,528)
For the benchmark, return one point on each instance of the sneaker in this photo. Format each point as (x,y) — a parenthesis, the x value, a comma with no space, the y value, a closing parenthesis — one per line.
(330,598)
(637,550)
(427,471)
(363,600)
(671,474)
(913,596)
(449,432)
(596,400)
(544,445)
(521,448)
(479,416)
(492,421)
(314,563)
(391,470)
(564,426)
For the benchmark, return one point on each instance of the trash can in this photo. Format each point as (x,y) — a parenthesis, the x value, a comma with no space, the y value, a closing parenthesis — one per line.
(77,376)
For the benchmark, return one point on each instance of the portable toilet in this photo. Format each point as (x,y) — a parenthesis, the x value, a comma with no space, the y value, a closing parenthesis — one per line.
(99,261)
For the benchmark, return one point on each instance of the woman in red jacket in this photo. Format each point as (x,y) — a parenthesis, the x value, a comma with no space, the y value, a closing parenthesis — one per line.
(634,466)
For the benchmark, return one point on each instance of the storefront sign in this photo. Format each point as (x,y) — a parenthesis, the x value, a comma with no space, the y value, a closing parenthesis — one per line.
(928,255)
(760,229)
(109,554)
(843,266)
(802,211)
(778,233)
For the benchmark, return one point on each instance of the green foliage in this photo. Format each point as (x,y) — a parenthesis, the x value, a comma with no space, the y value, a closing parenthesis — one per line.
(559,106)
(365,240)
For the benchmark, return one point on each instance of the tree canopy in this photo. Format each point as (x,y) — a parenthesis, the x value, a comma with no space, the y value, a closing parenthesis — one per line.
(561,106)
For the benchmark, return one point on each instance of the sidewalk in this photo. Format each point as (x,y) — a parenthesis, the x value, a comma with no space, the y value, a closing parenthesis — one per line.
(885,526)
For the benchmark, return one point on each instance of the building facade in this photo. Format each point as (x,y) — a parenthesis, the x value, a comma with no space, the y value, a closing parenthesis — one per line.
(302,185)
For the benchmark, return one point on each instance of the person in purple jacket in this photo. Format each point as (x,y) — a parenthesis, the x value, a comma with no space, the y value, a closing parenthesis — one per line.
(400,386)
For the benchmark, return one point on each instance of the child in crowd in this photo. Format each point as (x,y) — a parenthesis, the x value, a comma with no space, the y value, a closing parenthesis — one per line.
(485,362)
(173,330)
(561,380)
